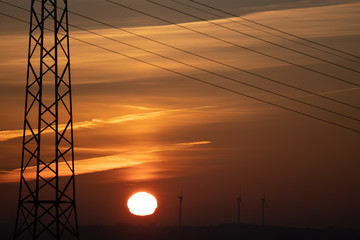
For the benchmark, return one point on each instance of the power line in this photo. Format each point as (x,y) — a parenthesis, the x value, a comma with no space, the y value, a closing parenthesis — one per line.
(194,54)
(264,31)
(246,48)
(255,37)
(277,30)
(205,82)
(215,61)
(18,19)
(216,74)
(231,43)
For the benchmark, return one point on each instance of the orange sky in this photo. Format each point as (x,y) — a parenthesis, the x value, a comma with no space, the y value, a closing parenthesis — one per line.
(138,127)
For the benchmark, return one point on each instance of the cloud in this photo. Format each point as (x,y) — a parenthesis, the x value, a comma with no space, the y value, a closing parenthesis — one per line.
(152,149)
(340,91)
(123,159)
(10,134)
(85,166)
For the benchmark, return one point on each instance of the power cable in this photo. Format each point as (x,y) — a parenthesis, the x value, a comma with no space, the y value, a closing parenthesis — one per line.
(214,73)
(197,55)
(277,30)
(218,75)
(257,38)
(246,48)
(215,61)
(227,42)
(202,81)
(264,31)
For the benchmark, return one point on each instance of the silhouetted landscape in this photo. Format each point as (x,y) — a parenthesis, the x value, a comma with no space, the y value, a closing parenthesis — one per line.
(223,232)
(231,231)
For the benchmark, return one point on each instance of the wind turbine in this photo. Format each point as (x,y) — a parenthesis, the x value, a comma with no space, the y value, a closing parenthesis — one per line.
(238,207)
(263,210)
(180,203)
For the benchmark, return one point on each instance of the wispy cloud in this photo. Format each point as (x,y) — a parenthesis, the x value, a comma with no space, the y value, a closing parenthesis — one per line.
(345,90)
(10,134)
(85,166)
(124,159)
(152,149)
(340,91)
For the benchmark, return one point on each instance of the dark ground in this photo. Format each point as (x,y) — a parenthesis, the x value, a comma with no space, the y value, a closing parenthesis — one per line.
(219,232)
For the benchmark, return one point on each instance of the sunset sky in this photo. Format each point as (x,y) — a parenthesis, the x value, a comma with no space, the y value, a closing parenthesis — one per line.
(139,127)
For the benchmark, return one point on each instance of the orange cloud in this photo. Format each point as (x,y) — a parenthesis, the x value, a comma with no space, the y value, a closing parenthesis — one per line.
(100,164)
(10,134)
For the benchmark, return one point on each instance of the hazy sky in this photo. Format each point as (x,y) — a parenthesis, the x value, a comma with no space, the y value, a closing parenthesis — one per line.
(139,127)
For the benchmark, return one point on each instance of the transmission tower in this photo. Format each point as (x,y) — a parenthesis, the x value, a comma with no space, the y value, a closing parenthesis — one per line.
(46,208)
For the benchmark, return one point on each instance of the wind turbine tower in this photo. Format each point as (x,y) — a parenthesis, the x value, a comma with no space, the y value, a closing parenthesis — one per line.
(238,208)
(262,210)
(46,206)
(180,204)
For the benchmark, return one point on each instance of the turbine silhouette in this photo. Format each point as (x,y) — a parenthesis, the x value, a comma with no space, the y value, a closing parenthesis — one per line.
(263,210)
(180,203)
(238,207)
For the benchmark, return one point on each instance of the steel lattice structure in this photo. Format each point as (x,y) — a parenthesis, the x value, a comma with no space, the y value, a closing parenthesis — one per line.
(47,207)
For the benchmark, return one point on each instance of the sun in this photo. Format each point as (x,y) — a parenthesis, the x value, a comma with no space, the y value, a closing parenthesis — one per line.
(142,204)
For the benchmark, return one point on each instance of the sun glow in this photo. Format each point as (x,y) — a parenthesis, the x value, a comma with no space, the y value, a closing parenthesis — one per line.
(142,204)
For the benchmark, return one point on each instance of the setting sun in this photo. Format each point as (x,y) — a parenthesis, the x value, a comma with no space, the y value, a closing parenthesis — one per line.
(142,204)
